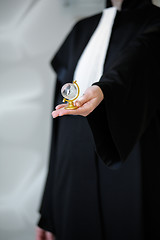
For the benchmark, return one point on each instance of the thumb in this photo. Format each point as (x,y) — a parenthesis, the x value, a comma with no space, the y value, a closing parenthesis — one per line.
(82,100)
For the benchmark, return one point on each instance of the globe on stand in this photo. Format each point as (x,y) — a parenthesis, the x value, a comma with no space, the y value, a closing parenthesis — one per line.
(70,92)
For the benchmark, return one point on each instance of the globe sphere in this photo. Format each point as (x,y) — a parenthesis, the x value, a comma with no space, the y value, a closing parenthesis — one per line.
(69,91)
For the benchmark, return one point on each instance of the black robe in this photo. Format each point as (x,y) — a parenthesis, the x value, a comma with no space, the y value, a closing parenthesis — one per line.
(104,173)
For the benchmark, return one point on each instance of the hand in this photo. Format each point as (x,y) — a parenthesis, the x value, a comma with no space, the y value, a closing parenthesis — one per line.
(86,104)
(43,235)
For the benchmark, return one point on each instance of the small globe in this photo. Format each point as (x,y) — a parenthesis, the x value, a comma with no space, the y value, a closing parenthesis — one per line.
(69,91)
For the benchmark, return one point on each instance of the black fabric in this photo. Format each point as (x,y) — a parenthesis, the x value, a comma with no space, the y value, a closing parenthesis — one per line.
(131,89)
(130,4)
(85,197)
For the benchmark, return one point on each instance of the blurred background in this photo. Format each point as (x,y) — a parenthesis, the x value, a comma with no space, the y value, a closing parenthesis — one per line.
(30,33)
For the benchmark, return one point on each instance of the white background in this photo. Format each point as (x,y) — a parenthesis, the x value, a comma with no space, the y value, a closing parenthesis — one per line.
(30,33)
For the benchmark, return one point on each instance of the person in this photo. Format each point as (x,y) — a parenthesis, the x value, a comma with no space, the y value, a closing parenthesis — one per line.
(103,179)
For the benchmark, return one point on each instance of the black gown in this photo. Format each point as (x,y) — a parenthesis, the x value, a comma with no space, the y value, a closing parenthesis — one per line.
(104,173)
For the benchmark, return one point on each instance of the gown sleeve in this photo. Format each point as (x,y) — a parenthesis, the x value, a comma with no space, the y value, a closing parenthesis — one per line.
(131,98)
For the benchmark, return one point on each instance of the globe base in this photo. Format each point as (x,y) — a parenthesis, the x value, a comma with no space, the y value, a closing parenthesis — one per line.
(70,105)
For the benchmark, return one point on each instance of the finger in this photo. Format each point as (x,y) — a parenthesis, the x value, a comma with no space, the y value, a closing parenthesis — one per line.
(60,106)
(40,234)
(56,113)
(82,100)
(49,236)
(62,111)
